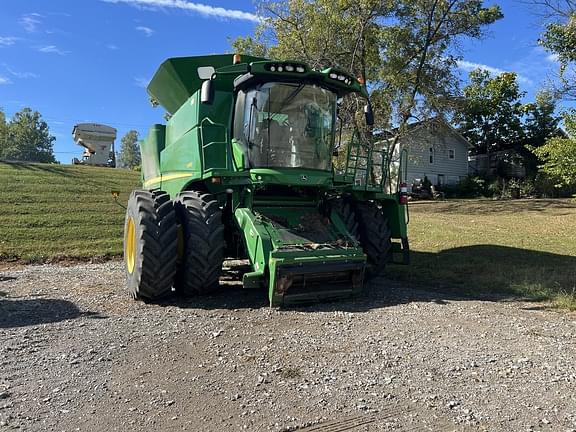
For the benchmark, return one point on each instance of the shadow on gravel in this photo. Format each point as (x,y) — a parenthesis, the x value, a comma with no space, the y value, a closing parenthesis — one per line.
(7,278)
(479,272)
(23,313)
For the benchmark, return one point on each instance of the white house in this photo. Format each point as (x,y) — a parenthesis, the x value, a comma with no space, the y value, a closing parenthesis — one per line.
(436,151)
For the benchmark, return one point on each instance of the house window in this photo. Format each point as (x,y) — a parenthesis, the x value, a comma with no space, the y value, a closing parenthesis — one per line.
(451,154)
(431,157)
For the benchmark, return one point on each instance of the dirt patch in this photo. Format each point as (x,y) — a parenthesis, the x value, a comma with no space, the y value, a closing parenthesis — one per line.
(76,352)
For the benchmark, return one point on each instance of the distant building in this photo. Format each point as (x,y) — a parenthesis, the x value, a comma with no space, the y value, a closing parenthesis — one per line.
(503,163)
(435,151)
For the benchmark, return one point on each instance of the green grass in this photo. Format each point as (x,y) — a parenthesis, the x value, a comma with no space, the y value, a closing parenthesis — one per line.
(479,247)
(523,248)
(50,212)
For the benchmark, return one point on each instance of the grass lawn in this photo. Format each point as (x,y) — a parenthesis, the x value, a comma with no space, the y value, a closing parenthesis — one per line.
(55,211)
(521,247)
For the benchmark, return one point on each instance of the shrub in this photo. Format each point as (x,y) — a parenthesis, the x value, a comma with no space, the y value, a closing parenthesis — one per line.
(471,187)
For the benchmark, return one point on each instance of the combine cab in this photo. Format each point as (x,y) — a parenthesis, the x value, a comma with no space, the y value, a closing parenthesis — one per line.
(244,169)
(98,143)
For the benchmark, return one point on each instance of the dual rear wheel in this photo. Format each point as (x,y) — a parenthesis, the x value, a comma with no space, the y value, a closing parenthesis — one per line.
(172,245)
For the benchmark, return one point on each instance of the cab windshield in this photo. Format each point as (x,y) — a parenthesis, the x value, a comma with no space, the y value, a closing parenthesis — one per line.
(287,125)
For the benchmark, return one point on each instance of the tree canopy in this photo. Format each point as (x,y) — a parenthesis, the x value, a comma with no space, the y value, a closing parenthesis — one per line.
(406,50)
(129,156)
(493,117)
(559,154)
(26,137)
(490,117)
(559,38)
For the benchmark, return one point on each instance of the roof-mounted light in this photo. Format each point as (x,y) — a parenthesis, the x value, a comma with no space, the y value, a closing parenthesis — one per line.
(342,77)
(285,67)
(236,59)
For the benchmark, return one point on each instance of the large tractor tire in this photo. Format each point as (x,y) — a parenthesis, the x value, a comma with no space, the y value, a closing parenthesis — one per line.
(374,235)
(343,207)
(202,243)
(150,241)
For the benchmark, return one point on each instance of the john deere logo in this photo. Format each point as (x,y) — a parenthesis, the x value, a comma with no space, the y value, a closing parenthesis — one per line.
(304,177)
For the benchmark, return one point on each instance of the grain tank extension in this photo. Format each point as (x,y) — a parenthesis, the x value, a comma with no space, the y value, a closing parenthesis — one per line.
(244,169)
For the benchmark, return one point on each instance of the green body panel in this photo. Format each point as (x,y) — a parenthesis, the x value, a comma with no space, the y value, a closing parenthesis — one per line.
(292,177)
(177,78)
(297,250)
(150,149)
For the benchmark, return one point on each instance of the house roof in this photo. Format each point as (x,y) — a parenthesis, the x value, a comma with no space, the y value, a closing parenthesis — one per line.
(413,127)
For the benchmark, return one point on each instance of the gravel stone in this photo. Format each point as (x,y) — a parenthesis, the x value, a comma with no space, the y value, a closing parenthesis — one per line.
(78,354)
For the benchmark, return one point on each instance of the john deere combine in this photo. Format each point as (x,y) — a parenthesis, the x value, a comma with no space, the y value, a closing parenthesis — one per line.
(243,169)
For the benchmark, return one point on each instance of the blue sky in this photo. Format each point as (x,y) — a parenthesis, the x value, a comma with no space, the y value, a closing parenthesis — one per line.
(90,60)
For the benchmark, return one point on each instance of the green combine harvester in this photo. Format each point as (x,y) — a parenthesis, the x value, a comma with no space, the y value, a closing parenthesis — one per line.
(243,169)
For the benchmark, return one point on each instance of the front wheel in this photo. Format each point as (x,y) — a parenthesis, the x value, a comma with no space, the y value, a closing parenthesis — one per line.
(150,242)
(374,235)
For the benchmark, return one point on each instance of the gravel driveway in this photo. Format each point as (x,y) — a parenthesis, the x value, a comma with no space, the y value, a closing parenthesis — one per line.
(77,354)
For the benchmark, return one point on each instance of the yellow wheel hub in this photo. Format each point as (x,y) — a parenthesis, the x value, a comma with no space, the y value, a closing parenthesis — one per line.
(130,245)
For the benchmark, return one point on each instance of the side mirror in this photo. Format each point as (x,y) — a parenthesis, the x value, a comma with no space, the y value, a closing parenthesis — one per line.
(207,93)
(369,115)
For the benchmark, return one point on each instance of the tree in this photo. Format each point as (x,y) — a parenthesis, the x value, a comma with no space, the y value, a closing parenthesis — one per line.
(405,50)
(26,138)
(559,154)
(129,156)
(3,131)
(541,124)
(559,38)
(491,116)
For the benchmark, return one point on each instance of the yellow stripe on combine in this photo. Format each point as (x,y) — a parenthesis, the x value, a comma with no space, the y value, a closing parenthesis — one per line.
(167,177)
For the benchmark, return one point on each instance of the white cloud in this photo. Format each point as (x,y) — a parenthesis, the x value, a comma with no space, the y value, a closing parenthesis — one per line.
(21,75)
(4,80)
(552,58)
(30,22)
(146,30)
(141,82)
(52,49)
(202,9)
(7,40)
(112,47)
(470,66)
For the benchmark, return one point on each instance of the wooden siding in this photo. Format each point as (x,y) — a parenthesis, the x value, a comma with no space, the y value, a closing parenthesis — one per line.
(441,140)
